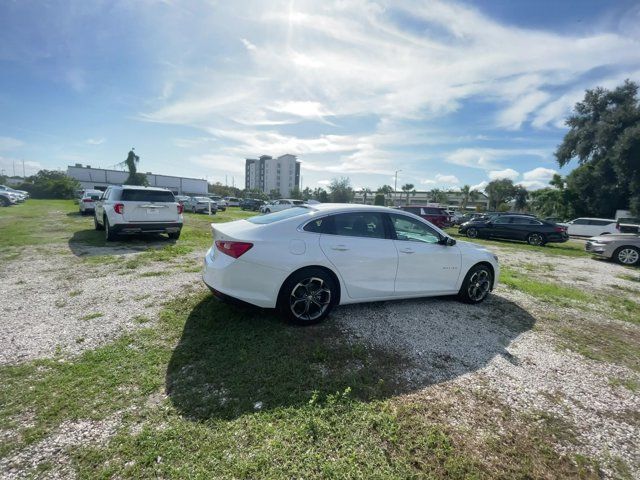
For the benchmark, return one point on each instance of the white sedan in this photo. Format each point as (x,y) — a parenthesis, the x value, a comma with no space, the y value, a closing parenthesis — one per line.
(306,260)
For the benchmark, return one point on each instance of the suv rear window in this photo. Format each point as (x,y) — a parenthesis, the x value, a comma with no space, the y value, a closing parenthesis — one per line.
(147,196)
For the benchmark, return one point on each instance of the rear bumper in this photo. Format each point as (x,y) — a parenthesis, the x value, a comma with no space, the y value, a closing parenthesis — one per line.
(557,238)
(134,228)
(252,283)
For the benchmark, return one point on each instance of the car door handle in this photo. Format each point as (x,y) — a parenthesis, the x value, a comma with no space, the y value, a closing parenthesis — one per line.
(340,248)
(407,250)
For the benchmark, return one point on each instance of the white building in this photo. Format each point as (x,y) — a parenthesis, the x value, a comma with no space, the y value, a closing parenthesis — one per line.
(100,178)
(267,173)
(454,199)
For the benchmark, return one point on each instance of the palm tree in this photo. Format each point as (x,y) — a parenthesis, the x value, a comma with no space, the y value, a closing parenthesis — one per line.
(473,195)
(407,188)
(521,197)
(438,196)
(365,192)
(465,191)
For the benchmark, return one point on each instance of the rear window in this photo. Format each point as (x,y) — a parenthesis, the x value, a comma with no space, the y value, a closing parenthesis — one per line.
(277,216)
(95,196)
(147,196)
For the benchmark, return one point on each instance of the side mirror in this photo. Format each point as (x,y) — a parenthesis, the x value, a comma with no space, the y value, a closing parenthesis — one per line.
(447,241)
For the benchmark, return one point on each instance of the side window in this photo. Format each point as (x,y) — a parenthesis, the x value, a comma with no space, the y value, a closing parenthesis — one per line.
(580,221)
(105,195)
(320,225)
(599,222)
(413,230)
(502,220)
(362,224)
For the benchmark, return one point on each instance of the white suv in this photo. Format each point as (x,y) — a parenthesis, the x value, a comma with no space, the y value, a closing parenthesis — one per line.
(128,209)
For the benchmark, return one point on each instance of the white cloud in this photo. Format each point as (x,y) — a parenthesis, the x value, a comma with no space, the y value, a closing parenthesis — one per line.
(480,186)
(248,45)
(96,141)
(509,173)
(324,183)
(10,143)
(448,179)
(540,173)
(428,181)
(349,59)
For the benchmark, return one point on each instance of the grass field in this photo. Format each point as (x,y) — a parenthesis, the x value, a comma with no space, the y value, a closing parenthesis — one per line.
(207,390)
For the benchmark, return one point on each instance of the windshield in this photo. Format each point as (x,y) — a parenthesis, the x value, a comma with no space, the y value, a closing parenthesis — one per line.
(277,216)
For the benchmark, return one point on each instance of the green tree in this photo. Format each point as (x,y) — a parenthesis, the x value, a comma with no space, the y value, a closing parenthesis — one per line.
(321,195)
(385,190)
(604,138)
(340,190)
(438,196)
(274,194)
(365,194)
(307,193)
(50,184)
(521,197)
(295,193)
(379,199)
(408,188)
(466,196)
(499,192)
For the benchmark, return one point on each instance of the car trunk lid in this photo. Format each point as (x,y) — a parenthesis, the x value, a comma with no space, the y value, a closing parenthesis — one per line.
(150,206)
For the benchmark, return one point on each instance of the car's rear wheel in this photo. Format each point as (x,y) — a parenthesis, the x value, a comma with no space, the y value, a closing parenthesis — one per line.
(536,239)
(627,255)
(174,235)
(267,211)
(307,296)
(472,232)
(96,224)
(476,285)
(109,234)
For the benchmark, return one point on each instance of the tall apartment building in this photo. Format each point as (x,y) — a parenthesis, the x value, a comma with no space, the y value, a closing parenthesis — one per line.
(267,173)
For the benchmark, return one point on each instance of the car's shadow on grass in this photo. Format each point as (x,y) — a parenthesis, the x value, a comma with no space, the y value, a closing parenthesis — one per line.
(233,360)
(91,242)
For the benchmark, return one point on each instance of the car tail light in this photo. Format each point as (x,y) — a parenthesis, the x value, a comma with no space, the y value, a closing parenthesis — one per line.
(87,200)
(233,249)
(559,229)
(119,208)
(180,208)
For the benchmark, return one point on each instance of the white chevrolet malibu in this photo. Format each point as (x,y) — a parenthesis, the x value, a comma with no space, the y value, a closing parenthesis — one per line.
(305,260)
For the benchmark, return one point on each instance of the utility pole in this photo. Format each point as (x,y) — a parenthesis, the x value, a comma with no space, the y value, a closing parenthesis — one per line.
(395,188)
(14,168)
(226,183)
(23,174)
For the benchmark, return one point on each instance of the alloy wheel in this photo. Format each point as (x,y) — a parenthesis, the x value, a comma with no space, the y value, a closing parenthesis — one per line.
(309,299)
(479,285)
(628,256)
(535,239)
(472,233)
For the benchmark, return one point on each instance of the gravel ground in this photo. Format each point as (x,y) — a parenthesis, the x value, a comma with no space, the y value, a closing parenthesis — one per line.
(53,302)
(47,296)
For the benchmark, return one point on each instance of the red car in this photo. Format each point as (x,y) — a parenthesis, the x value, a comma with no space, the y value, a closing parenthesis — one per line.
(436,215)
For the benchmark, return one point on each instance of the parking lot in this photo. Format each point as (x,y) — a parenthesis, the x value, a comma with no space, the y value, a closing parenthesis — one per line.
(115,360)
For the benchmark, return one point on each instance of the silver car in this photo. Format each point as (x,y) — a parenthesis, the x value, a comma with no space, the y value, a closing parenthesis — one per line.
(624,248)
(201,205)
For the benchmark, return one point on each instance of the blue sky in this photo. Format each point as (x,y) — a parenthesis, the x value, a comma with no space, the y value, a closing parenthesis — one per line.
(448,93)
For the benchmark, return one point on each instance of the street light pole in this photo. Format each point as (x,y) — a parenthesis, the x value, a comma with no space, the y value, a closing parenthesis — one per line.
(395,188)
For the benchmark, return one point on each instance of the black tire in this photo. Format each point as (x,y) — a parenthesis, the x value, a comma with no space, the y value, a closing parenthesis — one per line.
(193,210)
(96,224)
(267,211)
(536,239)
(307,296)
(109,235)
(174,235)
(4,202)
(473,232)
(476,285)
(627,255)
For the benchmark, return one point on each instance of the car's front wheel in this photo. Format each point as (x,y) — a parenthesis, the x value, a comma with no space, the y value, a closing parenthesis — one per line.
(536,239)
(307,296)
(476,285)
(627,255)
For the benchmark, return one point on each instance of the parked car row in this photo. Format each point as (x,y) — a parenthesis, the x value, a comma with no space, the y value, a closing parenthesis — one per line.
(10,196)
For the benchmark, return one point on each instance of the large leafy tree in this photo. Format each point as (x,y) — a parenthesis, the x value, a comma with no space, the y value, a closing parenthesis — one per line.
(340,190)
(50,184)
(521,198)
(604,138)
(438,196)
(500,191)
